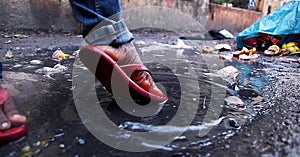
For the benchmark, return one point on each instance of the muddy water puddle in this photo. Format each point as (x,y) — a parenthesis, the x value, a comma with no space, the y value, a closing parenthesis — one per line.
(203,108)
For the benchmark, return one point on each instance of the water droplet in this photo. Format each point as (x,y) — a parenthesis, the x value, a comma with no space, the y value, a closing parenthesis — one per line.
(52,139)
(36,144)
(180,138)
(37,151)
(62,146)
(26,149)
(80,141)
(59,135)
(72,88)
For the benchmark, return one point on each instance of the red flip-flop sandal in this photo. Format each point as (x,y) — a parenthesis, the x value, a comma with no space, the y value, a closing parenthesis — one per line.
(116,78)
(13,133)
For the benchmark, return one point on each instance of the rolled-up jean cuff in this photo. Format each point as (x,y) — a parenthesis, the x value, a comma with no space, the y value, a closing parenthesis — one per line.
(107,34)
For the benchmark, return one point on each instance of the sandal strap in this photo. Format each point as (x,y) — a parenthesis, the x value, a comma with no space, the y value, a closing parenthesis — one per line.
(130,68)
(4,95)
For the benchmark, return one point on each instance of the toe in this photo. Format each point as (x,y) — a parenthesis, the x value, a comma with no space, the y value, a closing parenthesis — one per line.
(156,91)
(144,80)
(12,113)
(4,123)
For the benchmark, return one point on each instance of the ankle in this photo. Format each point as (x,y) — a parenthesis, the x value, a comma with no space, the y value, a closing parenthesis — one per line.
(117,45)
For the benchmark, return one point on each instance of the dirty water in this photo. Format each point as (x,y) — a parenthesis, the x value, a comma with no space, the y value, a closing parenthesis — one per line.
(55,128)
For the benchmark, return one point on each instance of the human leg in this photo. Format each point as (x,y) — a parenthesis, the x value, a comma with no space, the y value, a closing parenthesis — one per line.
(110,34)
(92,12)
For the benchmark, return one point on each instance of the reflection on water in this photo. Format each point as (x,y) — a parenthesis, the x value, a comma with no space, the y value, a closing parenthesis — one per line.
(61,131)
(200,133)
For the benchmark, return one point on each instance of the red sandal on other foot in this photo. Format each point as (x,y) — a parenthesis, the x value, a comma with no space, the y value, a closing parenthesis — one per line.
(15,132)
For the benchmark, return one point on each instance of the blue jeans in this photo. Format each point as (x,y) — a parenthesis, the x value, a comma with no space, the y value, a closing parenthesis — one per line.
(102,22)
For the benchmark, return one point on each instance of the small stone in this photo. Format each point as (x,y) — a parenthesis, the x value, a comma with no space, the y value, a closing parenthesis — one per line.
(36,62)
(233,123)
(6,36)
(21,36)
(229,74)
(17,66)
(9,54)
(8,42)
(234,100)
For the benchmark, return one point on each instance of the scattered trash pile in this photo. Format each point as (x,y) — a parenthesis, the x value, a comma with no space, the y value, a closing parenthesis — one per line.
(286,49)
(58,56)
(273,43)
(244,54)
(268,44)
(278,33)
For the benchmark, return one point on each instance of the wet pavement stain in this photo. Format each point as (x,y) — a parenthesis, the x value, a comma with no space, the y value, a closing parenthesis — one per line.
(55,129)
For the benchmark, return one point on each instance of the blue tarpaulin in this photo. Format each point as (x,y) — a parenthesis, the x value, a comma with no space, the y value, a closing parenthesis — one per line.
(285,21)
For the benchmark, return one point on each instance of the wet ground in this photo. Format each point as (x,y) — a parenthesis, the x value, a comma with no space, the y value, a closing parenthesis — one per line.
(264,124)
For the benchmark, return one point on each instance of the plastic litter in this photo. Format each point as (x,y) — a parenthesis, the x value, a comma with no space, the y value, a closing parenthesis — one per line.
(61,68)
(48,71)
(59,55)
(220,34)
(226,33)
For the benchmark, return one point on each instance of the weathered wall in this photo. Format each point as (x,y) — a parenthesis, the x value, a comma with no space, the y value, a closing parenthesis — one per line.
(231,18)
(56,15)
(44,15)
(196,9)
(180,16)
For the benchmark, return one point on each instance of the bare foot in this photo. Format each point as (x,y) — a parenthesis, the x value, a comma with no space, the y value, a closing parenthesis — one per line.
(9,115)
(127,54)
